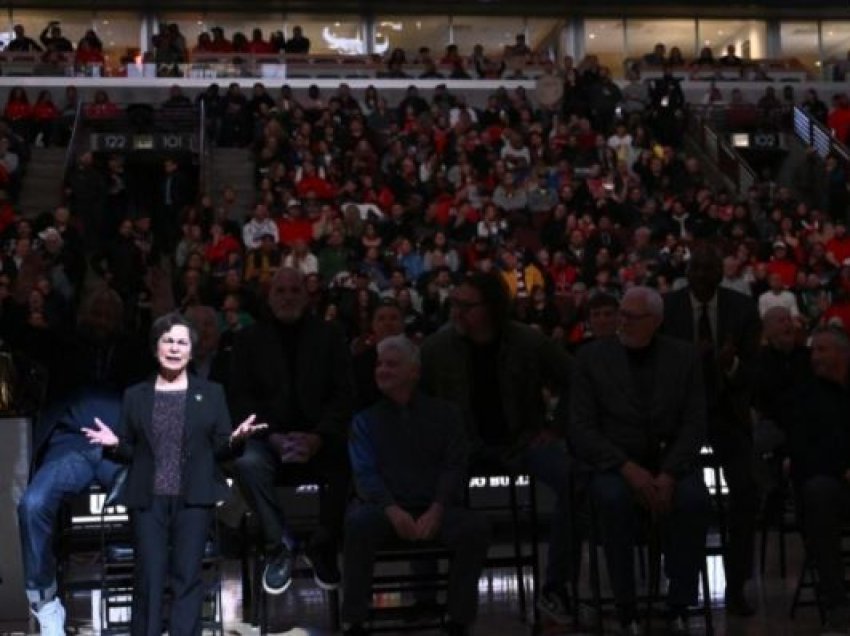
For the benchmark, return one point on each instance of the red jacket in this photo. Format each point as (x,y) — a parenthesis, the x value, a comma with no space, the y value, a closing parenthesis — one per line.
(218,252)
(45,111)
(786,269)
(290,230)
(17,110)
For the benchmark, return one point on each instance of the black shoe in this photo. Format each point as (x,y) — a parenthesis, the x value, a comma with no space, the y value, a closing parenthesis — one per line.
(356,630)
(456,629)
(277,576)
(323,560)
(737,605)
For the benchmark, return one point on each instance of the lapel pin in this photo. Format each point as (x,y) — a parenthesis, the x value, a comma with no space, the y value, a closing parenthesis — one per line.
(198,397)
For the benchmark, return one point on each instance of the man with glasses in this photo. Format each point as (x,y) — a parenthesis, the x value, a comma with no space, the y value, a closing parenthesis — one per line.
(496,370)
(642,436)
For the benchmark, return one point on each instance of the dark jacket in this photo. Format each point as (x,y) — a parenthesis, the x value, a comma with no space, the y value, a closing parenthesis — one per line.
(608,426)
(206,440)
(818,426)
(260,378)
(411,455)
(528,363)
(737,323)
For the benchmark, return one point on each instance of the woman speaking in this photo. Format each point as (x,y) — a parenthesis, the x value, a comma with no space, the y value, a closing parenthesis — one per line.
(173,429)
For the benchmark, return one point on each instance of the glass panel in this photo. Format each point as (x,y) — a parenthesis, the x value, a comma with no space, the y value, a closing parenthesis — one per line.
(604,39)
(836,40)
(329,34)
(120,32)
(544,35)
(800,40)
(74,24)
(493,33)
(643,35)
(193,23)
(748,36)
(410,33)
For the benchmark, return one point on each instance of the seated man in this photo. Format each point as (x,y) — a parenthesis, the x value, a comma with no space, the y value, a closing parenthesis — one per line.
(819,448)
(409,457)
(294,372)
(642,434)
(65,465)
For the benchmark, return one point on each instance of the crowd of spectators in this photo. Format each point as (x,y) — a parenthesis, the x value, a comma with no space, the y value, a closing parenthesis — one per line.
(577,190)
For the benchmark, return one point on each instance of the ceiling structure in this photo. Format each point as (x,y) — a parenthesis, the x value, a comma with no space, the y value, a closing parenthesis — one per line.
(754,8)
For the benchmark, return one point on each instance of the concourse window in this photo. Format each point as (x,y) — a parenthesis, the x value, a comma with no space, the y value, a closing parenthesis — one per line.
(493,33)
(748,36)
(800,40)
(410,33)
(836,40)
(73,24)
(193,23)
(605,40)
(329,33)
(643,34)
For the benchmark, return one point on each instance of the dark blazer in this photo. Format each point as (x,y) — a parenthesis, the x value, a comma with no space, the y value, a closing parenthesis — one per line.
(737,322)
(260,381)
(206,439)
(608,427)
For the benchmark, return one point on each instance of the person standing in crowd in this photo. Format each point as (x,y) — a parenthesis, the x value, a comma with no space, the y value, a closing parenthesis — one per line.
(819,448)
(172,430)
(297,44)
(176,195)
(495,370)
(724,324)
(408,455)
(642,437)
(294,372)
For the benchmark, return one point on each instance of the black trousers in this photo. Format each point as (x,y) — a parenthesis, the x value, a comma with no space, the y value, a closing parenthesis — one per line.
(170,538)
(259,470)
(466,533)
(826,509)
(733,447)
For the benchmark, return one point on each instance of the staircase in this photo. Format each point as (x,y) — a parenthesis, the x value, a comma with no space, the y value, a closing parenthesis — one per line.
(41,187)
(233,167)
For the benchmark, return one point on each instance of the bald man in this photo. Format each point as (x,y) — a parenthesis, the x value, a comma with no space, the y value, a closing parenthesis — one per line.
(642,435)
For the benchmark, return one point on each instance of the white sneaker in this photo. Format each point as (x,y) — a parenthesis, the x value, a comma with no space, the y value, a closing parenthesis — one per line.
(51,618)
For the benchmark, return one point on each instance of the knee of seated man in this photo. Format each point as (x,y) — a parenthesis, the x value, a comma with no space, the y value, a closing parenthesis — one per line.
(610,491)
(33,502)
(361,521)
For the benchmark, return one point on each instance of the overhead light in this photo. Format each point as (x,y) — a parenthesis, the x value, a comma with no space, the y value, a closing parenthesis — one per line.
(592,36)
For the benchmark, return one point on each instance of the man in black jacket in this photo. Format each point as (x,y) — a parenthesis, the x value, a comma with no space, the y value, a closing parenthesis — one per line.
(819,446)
(725,326)
(294,372)
(409,454)
(642,436)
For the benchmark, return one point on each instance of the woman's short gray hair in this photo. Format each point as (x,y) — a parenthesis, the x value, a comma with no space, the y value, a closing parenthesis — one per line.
(403,345)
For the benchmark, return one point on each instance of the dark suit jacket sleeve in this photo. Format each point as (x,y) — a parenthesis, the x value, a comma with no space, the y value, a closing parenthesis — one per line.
(585,434)
(682,455)
(748,345)
(123,452)
(364,464)
(558,366)
(451,484)
(336,410)
(240,384)
(222,448)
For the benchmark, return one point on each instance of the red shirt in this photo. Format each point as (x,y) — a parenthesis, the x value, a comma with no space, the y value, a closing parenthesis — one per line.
(840,311)
(322,188)
(840,248)
(17,110)
(290,230)
(786,269)
(45,111)
(218,252)
(260,48)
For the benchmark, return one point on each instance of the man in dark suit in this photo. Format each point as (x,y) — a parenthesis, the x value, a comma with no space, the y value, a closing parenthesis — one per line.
(294,372)
(725,326)
(642,436)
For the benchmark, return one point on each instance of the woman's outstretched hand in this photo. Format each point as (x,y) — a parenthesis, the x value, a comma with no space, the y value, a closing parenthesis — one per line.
(247,428)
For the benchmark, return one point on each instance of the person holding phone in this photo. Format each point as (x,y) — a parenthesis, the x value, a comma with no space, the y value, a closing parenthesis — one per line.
(175,427)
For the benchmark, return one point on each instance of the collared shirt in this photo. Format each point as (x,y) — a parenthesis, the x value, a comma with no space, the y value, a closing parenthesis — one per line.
(696,308)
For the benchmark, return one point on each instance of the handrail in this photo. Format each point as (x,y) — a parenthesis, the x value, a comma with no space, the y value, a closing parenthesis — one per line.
(72,143)
(203,176)
(728,160)
(815,135)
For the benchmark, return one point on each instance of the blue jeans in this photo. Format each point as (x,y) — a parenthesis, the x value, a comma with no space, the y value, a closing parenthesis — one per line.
(62,474)
(683,536)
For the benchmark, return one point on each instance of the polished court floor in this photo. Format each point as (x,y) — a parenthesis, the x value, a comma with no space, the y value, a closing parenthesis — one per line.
(303,610)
